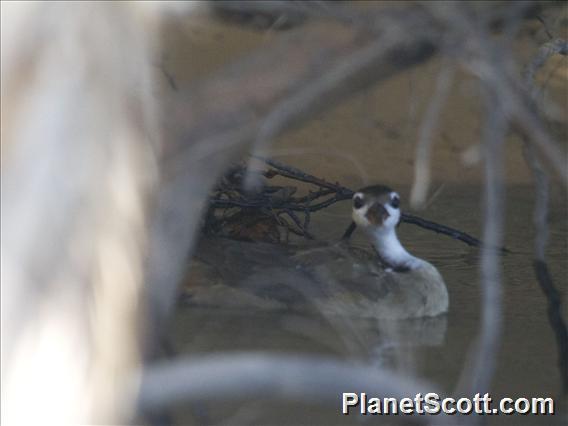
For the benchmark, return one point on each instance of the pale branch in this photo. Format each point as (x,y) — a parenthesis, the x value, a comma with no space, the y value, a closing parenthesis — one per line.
(421,181)
(246,376)
(479,369)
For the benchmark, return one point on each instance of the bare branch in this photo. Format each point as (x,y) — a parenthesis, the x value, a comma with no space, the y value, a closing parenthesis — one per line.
(241,376)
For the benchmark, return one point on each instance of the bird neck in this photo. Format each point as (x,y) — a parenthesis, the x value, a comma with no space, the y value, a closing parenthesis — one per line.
(392,253)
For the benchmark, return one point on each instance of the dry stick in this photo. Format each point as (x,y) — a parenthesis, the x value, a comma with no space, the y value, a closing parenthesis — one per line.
(446,230)
(297,174)
(542,199)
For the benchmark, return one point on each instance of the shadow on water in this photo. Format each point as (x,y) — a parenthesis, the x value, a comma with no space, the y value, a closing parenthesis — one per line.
(433,348)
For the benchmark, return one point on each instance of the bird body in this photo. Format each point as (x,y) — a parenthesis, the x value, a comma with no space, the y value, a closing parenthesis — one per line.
(332,279)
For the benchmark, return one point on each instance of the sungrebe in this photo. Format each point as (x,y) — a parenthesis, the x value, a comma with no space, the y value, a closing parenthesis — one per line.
(333,279)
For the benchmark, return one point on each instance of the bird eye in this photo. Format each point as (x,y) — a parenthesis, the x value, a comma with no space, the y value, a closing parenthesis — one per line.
(358,202)
(395,202)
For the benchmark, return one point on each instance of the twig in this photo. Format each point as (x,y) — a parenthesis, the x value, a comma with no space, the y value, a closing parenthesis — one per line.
(300,175)
(276,200)
(298,222)
(442,229)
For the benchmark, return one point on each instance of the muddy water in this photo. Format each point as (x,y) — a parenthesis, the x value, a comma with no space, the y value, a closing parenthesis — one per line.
(371,139)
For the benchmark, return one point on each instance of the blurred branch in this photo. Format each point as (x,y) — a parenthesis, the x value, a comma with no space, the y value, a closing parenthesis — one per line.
(479,369)
(429,123)
(247,376)
(494,137)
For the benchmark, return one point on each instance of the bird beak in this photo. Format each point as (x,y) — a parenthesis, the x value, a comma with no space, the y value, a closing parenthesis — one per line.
(377,214)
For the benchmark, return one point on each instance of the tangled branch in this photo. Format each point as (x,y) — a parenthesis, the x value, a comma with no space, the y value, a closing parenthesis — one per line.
(278,200)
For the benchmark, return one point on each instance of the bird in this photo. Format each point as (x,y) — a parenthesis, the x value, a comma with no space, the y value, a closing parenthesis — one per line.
(333,279)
